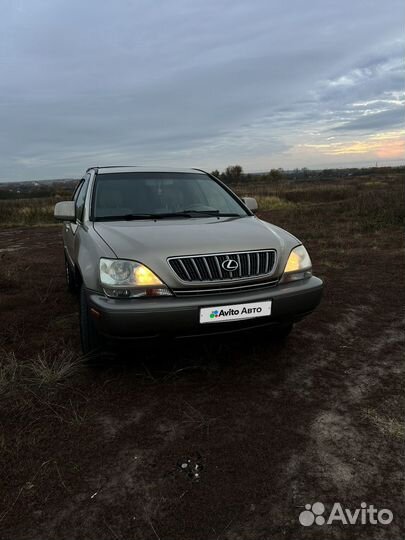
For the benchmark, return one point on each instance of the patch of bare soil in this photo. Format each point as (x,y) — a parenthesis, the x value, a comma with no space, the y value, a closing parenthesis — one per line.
(272,426)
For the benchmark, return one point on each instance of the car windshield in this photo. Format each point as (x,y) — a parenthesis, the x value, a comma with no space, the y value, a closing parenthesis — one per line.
(149,195)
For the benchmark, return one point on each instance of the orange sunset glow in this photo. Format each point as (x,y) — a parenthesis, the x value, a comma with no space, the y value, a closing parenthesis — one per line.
(385,145)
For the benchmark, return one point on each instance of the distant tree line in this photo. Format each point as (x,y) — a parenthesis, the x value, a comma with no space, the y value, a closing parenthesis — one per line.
(26,194)
(234,174)
(27,190)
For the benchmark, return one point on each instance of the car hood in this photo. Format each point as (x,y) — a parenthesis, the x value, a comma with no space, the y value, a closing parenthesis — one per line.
(152,242)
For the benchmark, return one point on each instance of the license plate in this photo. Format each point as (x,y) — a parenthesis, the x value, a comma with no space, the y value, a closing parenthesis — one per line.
(235,312)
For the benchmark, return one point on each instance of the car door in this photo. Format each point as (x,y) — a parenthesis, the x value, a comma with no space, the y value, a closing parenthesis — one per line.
(71,227)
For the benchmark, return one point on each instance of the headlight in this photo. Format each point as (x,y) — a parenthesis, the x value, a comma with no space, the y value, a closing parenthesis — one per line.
(298,266)
(130,279)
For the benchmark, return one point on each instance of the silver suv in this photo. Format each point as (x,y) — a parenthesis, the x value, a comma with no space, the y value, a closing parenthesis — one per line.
(158,252)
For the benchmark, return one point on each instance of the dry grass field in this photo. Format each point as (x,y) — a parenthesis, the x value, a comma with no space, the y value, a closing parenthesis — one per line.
(94,451)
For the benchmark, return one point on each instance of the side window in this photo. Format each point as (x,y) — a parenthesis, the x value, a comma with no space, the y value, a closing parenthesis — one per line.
(81,197)
(77,190)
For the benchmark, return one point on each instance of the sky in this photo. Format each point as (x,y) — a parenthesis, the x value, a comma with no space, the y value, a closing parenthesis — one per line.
(203,83)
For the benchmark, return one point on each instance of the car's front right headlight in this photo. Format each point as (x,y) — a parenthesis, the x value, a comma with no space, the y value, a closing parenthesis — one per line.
(130,279)
(299,265)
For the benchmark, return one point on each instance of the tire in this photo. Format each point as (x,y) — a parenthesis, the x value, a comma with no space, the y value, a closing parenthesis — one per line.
(70,277)
(90,338)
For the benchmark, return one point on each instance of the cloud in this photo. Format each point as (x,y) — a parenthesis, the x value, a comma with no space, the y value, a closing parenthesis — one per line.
(375,121)
(206,83)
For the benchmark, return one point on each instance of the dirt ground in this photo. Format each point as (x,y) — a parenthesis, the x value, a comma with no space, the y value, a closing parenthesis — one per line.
(265,428)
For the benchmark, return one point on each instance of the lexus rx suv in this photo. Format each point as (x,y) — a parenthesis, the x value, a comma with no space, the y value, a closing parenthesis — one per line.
(157,252)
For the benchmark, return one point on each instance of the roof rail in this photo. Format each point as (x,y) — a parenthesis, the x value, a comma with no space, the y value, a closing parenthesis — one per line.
(111,167)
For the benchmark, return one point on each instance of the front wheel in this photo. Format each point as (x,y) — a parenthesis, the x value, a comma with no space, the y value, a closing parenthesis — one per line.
(70,277)
(283,331)
(90,338)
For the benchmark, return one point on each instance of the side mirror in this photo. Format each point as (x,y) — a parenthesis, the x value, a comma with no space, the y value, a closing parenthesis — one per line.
(65,211)
(251,203)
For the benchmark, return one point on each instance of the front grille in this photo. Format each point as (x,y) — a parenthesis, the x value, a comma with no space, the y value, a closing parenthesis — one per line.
(209,268)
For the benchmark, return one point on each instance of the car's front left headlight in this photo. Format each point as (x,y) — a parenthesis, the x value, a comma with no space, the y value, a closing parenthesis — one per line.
(299,265)
(130,279)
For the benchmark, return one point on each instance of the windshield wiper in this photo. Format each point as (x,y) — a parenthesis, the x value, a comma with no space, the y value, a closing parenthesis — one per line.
(194,213)
(164,215)
(131,217)
(123,217)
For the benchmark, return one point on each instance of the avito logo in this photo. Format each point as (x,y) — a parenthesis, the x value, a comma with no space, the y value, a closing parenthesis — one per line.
(313,513)
(215,313)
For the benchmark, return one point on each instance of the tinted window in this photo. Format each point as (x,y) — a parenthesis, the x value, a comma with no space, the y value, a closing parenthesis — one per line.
(77,190)
(119,194)
(81,197)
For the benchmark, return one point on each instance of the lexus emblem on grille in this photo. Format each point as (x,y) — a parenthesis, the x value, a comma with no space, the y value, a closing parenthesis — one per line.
(230,265)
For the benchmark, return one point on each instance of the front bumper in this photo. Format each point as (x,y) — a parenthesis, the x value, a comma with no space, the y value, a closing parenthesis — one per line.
(153,317)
